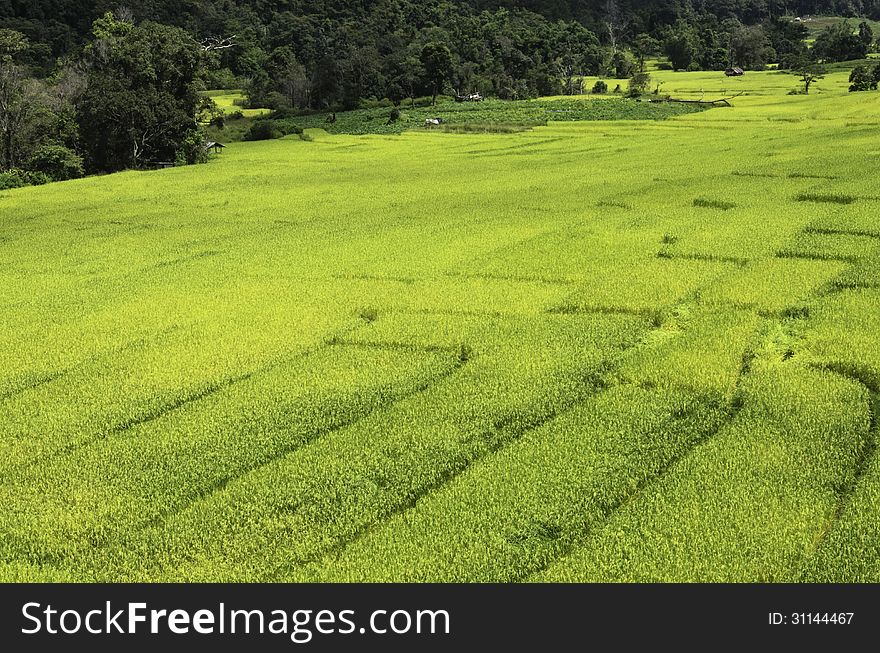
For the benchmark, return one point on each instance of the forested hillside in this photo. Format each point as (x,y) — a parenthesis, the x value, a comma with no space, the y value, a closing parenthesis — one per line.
(105,85)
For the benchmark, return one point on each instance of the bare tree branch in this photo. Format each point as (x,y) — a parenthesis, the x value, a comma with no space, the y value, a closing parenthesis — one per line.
(213,43)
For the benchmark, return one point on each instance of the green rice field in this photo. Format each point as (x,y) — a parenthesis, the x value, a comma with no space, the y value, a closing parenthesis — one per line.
(594,350)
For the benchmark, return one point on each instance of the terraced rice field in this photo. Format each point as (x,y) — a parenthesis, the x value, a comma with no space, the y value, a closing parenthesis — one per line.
(595,351)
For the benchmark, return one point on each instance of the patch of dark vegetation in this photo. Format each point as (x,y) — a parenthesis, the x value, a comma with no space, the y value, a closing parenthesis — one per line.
(375,277)
(465,353)
(654,316)
(669,239)
(815,256)
(805,175)
(745,173)
(187,259)
(269,129)
(796,312)
(703,203)
(513,278)
(825,198)
(823,231)
(369,315)
(535,533)
(612,204)
(708,258)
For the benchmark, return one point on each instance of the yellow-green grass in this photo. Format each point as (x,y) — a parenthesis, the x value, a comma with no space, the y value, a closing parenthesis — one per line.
(750,504)
(230,102)
(442,356)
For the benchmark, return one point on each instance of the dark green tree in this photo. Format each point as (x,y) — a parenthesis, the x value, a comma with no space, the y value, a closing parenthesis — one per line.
(142,94)
(839,42)
(810,72)
(644,46)
(679,45)
(866,35)
(22,101)
(436,59)
(862,79)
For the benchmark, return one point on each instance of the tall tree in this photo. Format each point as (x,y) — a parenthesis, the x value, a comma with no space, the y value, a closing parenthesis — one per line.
(437,61)
(21,100)
(142,96)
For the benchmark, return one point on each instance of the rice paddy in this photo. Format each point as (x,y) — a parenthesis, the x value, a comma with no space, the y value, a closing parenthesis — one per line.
(597,350)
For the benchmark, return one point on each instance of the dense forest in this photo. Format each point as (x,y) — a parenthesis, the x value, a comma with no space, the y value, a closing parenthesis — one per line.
(105,85)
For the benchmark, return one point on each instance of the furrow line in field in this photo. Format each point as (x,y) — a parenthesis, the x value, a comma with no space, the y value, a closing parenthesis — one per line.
(708,258)
(374,277)
(45,379)
(640,489)
(503,150)
(506,432)
(513,278)
(389,345)
(569,309)
(176,404)
(503,436)
(41,380)
(863,461)
(646,484)
(825,231)
(817,257)
(382,404)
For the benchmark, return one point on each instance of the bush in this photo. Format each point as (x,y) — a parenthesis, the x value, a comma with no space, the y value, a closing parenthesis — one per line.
(600,87)
(192,150)
(57,162)
(638,84)
(622,65)
(16,178)
(394,116)
(222,78)
(268,129)
(862,79)
(263,130)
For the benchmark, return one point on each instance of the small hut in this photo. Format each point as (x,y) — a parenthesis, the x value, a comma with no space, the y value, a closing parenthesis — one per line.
(215,146)
(734,72)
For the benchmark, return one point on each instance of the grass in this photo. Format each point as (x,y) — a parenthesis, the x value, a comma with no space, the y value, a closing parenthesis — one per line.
(233,101)
(487,117)
(568,339)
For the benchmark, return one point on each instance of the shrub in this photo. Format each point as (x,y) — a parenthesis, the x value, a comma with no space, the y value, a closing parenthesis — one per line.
(638,84)
(862,79)
(57,162)
(16,178)
(263,130)
(622,65)
(600,87)
(192,150)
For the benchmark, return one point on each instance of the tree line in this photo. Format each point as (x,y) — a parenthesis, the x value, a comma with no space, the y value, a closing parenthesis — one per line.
(92,86)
